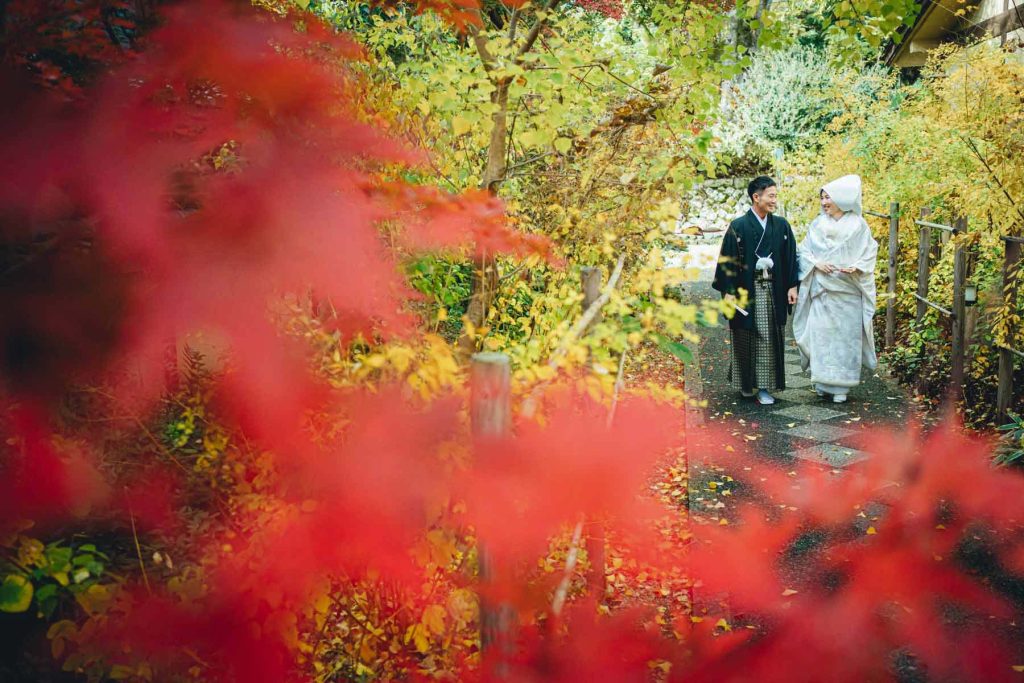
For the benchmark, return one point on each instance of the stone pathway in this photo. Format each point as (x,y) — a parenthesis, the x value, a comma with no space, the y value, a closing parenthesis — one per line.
(800,425)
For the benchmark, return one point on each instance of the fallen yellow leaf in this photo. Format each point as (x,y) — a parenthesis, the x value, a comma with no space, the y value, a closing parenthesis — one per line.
(789,591)
(871,531)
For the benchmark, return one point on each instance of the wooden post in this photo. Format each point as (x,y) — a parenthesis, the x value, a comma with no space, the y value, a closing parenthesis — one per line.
(923,246)
(491,418)
(490,382)
(894,250)
(1011,266)
(590,279)
(959,311)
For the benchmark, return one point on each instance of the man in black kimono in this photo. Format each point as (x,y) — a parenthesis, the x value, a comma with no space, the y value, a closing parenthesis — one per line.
(759,256)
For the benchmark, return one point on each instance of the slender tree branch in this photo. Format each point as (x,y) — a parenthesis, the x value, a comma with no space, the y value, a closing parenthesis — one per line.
(992,174)
(527,162)
(512,273)
(617,388)
(627,84)
(535,30)
(138,550)
(570,564)
(513,24)
(480,42)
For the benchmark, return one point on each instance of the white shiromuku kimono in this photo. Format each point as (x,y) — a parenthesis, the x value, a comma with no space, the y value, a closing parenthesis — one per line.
(832,321)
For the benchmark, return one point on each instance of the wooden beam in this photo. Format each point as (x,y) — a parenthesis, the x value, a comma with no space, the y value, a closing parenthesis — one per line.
(959,350)
(923,266)
(894,250)
(490,414)
(1011,264)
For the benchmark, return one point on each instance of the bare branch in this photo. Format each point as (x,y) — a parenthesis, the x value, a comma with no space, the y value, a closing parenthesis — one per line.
(570,565)
(529,161)
(513,24)
(992,174)
(480,41)
(618,388)
(531,37)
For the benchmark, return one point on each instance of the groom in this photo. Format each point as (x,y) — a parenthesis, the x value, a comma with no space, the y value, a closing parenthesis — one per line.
(759,257)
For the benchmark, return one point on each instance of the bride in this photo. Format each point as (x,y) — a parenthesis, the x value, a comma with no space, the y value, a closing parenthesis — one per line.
(832,321)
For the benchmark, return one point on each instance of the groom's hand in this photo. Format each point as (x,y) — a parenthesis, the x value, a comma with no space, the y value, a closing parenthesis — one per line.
(791,295)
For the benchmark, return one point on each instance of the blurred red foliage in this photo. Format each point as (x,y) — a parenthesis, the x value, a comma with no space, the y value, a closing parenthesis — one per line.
(218,168)
(906,552)
(214,170)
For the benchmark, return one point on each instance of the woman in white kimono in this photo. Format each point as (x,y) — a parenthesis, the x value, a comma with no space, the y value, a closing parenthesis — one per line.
(832,321)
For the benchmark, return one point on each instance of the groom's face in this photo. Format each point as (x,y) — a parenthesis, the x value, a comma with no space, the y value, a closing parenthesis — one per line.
(767,200)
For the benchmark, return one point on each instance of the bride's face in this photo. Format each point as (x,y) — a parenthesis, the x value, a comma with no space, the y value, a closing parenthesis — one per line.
(828,207)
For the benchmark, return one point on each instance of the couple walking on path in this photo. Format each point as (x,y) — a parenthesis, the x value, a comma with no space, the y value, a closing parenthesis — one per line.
(828,278)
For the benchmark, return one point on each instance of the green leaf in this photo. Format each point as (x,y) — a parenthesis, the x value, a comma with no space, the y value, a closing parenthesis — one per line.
(562,145)
(680,351)
(631,324)
(15,593)
(46,599)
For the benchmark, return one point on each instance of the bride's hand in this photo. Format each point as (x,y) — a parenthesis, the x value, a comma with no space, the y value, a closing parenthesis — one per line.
(826,268)
(849,270)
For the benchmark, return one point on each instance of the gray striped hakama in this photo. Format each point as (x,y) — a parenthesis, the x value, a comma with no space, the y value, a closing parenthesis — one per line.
(756,352)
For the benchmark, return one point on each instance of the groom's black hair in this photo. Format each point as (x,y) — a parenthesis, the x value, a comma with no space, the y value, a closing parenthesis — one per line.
(759,185)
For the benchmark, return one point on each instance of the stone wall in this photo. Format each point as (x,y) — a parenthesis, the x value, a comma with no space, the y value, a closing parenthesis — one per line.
(712,204)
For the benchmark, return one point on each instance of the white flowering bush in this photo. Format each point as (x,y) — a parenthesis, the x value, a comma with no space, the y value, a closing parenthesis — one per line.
(784,100)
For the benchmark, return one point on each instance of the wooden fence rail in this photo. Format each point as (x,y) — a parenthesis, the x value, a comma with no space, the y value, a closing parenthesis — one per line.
(894,249)
(927,251)
(957,311)
(1011,268)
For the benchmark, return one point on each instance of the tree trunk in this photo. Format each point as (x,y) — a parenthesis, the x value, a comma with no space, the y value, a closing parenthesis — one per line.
(485,275)
(485,271)
(494,174)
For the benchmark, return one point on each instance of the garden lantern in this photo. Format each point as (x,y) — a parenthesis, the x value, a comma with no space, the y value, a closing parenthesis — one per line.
(970,294)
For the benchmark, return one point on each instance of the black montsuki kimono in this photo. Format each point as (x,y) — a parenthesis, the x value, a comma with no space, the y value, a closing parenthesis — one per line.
(736,271)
